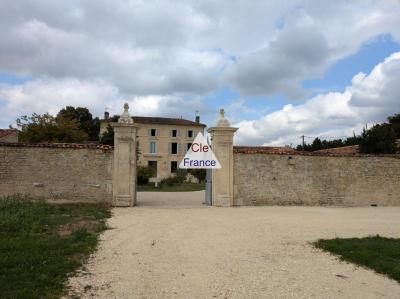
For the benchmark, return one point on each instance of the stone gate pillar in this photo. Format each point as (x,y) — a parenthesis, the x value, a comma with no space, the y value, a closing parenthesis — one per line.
(222,146)
(124,164)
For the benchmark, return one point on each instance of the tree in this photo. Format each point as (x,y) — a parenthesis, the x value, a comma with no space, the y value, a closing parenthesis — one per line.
(88,124)
(45,128)
(108,136)
(380,139)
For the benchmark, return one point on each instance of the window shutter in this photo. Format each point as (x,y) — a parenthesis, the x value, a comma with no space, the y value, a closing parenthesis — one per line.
(149,132)
(157,132)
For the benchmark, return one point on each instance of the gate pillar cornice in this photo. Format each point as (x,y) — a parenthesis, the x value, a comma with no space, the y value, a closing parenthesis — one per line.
(124,163)
(222,145)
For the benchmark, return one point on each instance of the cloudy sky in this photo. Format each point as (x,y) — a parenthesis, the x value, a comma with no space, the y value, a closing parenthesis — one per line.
(280,69)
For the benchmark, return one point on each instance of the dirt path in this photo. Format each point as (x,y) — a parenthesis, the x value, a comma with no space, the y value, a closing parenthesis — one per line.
(195,251)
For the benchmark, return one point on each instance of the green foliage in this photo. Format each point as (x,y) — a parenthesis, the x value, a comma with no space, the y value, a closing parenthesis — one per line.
(178,178)
(380,139)
(45,128)
(42,244)
(88,124)
(184,187)
(108,136)
(200,174)
(144,174)
(378,253)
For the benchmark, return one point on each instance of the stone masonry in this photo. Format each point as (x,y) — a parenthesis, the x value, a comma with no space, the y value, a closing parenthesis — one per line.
(293,179)
(56,172)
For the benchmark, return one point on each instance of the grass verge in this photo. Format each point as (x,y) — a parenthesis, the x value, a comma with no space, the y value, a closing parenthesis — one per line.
(184,187)
(378,253)
(41,244)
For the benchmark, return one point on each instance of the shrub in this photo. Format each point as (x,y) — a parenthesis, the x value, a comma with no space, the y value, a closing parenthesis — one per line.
(199,174)
(144,174)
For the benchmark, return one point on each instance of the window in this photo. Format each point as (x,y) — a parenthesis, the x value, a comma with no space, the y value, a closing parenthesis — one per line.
(188,145)
(174,148)
(190,133)
(153,132)
(174,133)
(153,166)
(174,166)
(153,147)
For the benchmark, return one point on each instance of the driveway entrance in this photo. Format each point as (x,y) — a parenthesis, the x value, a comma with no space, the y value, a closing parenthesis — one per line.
(249,252)
(194,199)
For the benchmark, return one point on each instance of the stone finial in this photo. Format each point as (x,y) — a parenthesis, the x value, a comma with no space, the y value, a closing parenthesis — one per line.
(222,121)
(125,117)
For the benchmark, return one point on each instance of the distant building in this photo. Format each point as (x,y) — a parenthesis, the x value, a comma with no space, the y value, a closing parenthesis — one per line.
(9,135)
(162,142)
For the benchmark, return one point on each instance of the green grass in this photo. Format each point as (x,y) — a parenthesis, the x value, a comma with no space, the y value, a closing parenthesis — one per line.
(375,252)
(184,187)
(41,244)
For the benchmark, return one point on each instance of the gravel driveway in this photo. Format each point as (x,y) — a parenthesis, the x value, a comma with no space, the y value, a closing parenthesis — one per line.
(172,246)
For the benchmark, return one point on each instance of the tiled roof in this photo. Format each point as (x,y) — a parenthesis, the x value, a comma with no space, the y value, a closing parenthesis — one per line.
(263,150)
(102,147)
(345,150)
(166,121)
(162,121)
(6,132)
(289,151)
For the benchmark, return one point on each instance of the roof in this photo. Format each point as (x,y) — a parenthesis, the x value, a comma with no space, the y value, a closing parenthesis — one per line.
(6,132)
(166,121)
(102,147)
(344,150)
(162,121)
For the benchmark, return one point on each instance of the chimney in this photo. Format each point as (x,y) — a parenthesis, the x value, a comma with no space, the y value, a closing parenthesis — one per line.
(106,115)
(197,119)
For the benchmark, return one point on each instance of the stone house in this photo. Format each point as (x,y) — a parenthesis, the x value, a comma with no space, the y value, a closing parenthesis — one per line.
(9,135)
(162,142)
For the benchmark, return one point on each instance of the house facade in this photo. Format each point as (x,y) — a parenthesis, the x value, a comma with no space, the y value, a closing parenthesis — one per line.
(162,142)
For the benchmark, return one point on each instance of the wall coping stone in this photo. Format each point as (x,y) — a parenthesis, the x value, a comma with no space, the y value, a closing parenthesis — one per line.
(266,150)
(103,147)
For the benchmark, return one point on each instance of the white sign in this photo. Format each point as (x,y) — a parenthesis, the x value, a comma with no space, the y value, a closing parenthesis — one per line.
(200,155)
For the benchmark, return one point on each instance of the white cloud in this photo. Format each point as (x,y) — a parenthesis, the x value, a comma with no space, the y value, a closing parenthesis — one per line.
(49,95)
(188,47)
(370,98)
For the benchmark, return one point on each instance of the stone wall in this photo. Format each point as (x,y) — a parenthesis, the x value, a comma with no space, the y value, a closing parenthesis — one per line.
(57,171)
(285,179)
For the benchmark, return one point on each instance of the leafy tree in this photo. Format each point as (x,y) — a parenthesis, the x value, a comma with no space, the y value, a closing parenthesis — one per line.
(394,121)
(88,124)
(108,136)
(380,139)
(45,128)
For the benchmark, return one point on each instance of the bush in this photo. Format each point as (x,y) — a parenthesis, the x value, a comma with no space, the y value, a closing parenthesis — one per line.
(380,139)
(144,174)
(199,174)
(178,178)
